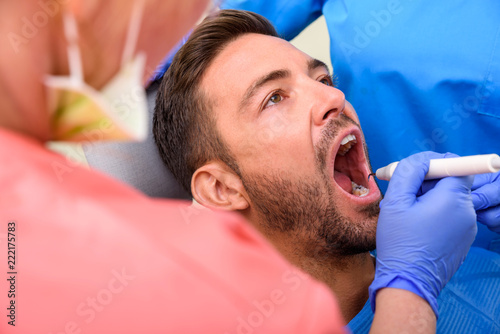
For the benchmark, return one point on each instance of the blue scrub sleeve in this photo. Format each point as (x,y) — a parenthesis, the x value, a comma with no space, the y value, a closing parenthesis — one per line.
(289,17)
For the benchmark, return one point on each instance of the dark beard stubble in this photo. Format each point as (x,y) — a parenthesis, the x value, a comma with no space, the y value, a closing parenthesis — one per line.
(306,211)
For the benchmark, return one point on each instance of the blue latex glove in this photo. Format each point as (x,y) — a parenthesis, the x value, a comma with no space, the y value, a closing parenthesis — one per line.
(423,232)
(486,199)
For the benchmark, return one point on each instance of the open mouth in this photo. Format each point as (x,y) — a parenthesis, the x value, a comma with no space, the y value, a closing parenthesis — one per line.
(350,168)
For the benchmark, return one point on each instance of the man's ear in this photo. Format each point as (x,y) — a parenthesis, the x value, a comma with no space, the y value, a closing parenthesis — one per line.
(215,185)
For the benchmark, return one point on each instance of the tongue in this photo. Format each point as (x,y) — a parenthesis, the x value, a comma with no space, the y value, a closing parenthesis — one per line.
(343,181)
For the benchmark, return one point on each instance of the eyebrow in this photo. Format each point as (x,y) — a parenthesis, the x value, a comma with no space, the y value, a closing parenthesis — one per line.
(271,76)
(312,64)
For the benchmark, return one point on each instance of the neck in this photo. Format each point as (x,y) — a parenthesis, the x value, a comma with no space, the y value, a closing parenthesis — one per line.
(349,283)
(348,277)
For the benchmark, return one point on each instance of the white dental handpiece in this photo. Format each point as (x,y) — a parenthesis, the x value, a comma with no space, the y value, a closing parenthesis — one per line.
(460,166)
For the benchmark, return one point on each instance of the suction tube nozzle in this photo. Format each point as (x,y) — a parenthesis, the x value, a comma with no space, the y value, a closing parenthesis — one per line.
(460,166)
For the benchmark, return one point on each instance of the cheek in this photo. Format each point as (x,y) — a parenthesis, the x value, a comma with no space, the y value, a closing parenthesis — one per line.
(278,140)
(289,153)
(275,130)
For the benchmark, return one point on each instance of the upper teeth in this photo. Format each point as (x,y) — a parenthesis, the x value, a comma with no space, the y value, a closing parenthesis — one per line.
(346,144)
(347,139)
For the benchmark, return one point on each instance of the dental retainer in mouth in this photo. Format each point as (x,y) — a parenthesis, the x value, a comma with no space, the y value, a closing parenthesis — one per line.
(346,170)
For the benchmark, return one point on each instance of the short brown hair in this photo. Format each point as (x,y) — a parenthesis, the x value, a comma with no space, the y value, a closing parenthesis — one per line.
(184,127)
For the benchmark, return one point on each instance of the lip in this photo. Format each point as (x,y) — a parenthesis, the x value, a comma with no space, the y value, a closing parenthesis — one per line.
(374,193)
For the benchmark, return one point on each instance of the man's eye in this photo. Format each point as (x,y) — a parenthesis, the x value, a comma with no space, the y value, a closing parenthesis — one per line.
(326,81)
(275,98)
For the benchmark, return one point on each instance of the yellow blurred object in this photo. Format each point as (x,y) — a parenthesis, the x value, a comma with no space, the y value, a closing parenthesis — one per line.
(117,112)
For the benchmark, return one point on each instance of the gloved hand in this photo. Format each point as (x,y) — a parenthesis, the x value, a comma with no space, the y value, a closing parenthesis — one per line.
(486,199)
(423,233)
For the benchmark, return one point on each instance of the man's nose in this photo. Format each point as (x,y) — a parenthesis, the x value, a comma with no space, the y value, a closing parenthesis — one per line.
(329,103)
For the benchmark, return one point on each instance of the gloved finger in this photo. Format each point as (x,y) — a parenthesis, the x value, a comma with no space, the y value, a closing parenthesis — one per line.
(409,175)
(426,186)
(487,195)
(430,184)
(490,217)
(453,185)
(452,193)
(484,179)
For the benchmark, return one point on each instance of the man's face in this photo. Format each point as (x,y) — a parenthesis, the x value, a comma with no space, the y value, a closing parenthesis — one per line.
(297,143)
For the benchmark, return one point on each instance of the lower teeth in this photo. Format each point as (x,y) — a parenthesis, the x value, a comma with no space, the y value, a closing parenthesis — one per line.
(359,190)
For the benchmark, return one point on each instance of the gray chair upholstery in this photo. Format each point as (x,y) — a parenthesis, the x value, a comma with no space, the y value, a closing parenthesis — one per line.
(136,163)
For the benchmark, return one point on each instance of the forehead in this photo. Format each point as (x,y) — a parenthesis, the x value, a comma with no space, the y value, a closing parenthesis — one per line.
(246,59)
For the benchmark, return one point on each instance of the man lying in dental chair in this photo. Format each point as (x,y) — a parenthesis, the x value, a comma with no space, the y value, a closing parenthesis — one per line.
(257,127)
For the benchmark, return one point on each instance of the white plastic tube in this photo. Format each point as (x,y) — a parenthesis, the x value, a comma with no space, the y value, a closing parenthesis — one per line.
(460,166)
